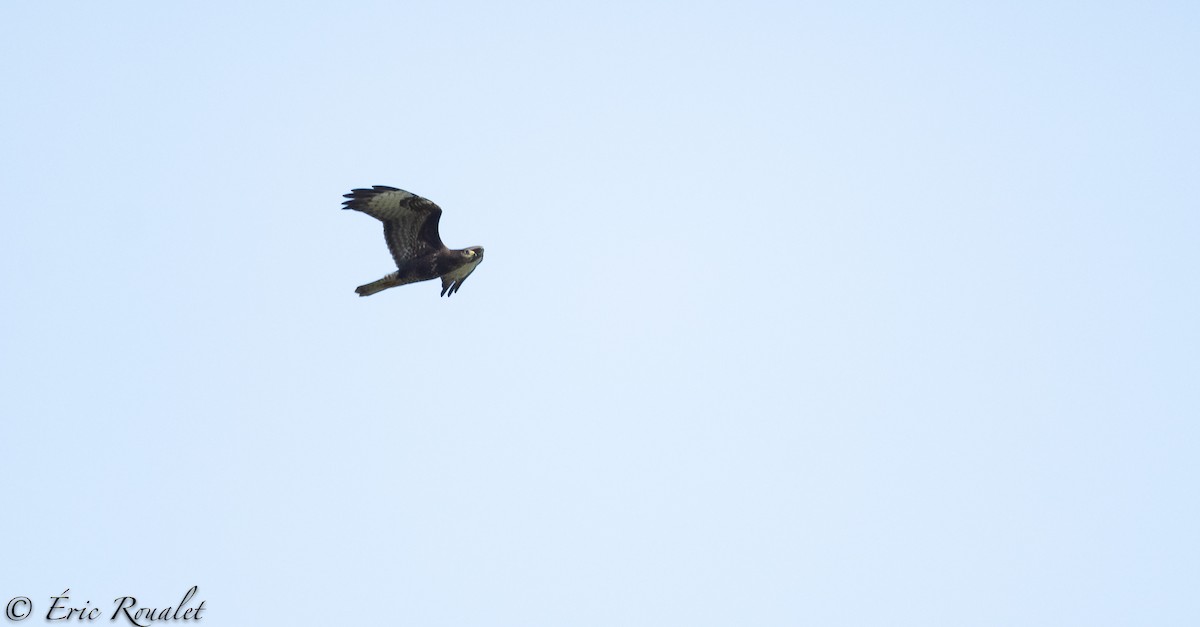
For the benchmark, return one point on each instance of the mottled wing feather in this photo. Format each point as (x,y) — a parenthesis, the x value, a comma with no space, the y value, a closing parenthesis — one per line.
(453,280)
(410,222)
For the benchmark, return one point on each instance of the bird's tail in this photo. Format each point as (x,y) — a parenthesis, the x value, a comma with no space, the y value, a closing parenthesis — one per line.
(378,286)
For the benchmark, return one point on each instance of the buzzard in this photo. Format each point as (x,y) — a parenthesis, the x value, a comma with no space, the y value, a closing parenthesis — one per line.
(410,226)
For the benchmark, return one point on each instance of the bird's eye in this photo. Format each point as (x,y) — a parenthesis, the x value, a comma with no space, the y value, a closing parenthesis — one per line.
(470,253)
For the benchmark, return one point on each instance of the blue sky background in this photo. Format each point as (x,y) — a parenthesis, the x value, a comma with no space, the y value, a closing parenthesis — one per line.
(854,313)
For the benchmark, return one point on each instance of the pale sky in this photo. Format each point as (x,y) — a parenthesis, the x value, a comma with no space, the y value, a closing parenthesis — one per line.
(845,313)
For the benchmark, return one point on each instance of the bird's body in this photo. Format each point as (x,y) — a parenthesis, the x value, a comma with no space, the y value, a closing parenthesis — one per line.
(410,226)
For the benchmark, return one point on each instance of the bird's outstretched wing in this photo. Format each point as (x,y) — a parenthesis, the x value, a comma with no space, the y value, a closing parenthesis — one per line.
(410,222)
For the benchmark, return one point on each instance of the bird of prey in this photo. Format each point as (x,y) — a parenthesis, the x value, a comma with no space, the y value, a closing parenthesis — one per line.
(410,226)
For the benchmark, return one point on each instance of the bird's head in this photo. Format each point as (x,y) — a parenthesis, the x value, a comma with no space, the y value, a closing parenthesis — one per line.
(474,253)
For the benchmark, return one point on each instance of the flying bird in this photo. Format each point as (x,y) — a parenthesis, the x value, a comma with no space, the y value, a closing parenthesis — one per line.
(410,226)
